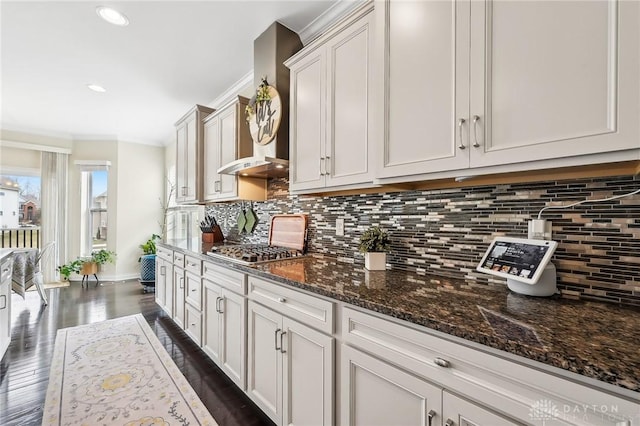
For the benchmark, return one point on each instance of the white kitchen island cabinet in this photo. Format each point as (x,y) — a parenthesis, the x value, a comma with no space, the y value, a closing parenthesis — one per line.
(290,369)
(332,108)
(498,83)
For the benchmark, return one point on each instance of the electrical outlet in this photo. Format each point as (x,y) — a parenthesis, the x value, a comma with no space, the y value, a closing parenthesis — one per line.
(339,227)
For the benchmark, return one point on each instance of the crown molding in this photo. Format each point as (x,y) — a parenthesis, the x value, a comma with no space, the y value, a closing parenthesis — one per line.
(236,88)
(323,22)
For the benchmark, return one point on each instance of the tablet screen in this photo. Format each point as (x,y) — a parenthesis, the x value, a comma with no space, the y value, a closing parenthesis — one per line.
(520,259)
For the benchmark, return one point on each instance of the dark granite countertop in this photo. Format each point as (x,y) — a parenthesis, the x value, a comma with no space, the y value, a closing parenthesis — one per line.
(597,340)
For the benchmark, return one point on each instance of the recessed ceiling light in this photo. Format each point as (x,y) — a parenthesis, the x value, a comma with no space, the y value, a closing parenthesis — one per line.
(96,88)
(112,16)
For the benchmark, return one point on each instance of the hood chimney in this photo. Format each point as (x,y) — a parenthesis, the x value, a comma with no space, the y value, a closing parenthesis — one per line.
(274,46)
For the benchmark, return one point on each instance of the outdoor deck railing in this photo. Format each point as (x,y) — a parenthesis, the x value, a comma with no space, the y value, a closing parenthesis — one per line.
(28,237)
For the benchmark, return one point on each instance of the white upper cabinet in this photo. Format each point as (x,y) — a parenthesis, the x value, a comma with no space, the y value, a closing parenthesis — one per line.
(331,107)
(189,161)
(227,138)
(487,83)
(424,86)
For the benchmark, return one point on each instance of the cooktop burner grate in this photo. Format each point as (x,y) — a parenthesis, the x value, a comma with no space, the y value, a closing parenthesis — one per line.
(250,254)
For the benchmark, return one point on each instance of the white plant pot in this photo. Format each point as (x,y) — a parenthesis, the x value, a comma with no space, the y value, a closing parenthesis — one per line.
(375,261)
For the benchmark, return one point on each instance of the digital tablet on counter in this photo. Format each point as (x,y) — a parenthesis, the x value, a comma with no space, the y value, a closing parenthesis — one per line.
(520,259)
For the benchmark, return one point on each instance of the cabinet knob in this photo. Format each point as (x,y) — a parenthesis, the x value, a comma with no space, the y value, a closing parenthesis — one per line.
(281,299)
(449,422)
(442,362)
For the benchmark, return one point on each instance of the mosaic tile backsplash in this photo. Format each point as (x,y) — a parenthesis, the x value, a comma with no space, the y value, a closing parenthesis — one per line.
(445,232)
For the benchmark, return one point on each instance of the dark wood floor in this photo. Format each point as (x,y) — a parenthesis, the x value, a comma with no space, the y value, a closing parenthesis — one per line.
(24,370)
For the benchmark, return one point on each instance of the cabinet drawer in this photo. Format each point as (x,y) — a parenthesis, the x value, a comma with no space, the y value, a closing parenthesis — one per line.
(227,278)
(193,323)
(178,259)
(193,264)
(486,378)
(309,310)
(5,270)
(193,290)
(165,254)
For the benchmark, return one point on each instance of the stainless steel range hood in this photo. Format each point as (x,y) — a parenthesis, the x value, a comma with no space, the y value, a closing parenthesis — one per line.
(261,167)
(270,50)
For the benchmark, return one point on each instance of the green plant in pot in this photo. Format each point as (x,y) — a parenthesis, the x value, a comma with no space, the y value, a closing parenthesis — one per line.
(374,243)
(148,259)
(87,265)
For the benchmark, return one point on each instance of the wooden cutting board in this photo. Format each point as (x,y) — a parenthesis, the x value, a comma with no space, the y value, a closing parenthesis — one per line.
(288,230)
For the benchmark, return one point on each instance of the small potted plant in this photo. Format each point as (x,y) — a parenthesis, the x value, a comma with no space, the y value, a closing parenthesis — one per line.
(87,265)
(374,243)
(148,259)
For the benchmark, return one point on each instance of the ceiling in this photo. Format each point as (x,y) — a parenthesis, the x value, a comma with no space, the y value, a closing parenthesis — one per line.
(172,55)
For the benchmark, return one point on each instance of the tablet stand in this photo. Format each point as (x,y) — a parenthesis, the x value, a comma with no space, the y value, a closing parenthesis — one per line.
(546,285)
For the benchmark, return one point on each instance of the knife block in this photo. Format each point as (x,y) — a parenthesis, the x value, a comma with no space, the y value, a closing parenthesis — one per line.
(213,237)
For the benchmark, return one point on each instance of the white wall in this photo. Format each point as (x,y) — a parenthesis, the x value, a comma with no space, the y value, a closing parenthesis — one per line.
(140,184)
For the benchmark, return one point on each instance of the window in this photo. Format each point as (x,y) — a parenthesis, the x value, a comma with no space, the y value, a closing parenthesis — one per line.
(94,214)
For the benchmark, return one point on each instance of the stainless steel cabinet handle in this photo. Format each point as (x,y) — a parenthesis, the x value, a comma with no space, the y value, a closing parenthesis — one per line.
(281,347)
(281,299)
(442,362)
(5,270)
(476,118)
(218,308)
(460,124)
(216,186)
(323,169)
(193,289)
(430,415)
(182,282)
(449,422)
(163,270)
(275,337)
(4,299)
(327,165)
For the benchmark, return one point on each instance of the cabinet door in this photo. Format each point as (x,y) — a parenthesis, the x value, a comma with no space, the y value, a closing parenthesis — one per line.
(161,281)
(349,115)
(264,370)
(181,162)
(459,412)
(168,290)
(211,158)
(307,149)
(193,323)
(212,323)
(424,54)
(308,375)
(553,79)
(228,186)
(376,393)
(234,337)
(191,159)
(178,311)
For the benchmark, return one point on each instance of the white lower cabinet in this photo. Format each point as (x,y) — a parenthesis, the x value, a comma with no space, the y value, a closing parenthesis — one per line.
(193,323)
(224,331)
(376,393)
(290,369)
(178,284)
(164,285)
(457,411)
(6,270)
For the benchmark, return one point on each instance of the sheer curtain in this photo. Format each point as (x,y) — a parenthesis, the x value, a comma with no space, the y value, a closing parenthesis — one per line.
(54,206)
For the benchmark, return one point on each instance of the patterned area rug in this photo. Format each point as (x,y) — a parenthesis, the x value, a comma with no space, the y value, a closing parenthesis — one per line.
(116,372)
